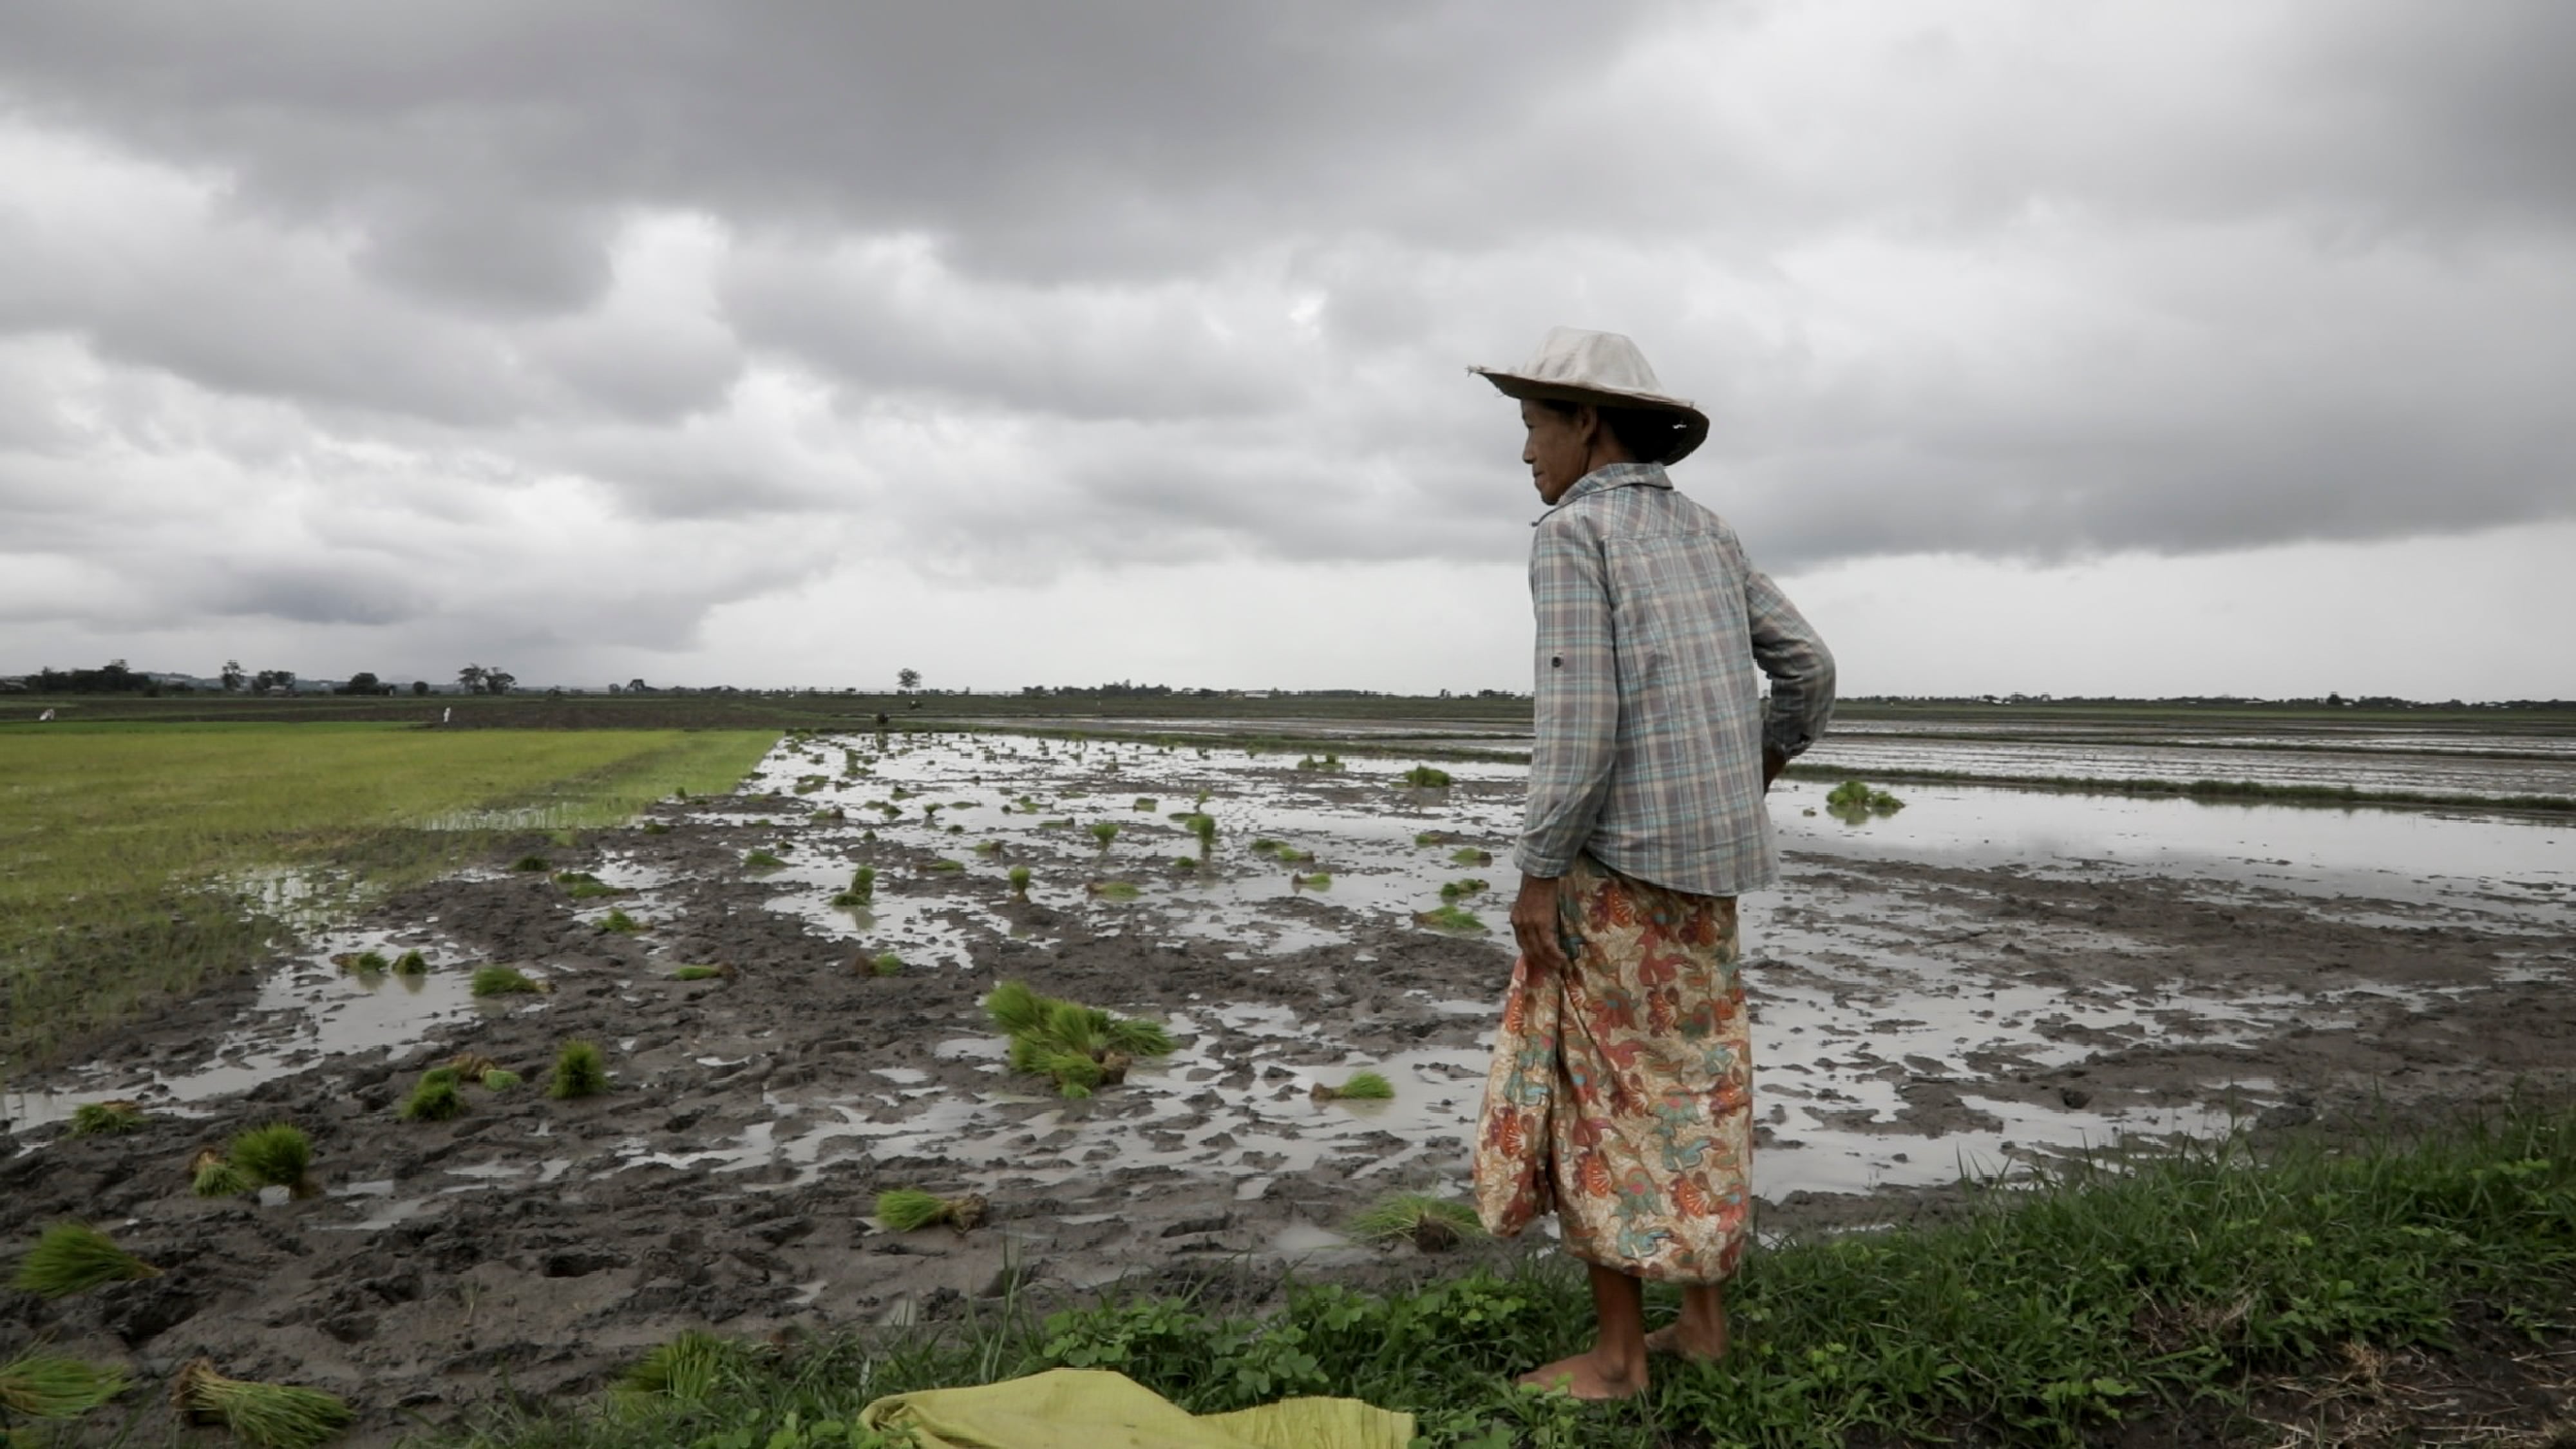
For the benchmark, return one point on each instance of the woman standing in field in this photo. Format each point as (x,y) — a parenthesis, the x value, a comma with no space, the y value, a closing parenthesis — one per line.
(1621,1091)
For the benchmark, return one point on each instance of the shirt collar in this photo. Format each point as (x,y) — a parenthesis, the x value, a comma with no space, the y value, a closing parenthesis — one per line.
(1614,475)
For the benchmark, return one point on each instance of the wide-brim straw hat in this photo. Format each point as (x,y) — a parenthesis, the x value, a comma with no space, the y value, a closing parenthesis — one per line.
(1606,370)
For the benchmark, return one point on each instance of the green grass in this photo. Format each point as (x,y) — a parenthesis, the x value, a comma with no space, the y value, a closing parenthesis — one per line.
(580,1071)
(2034,1317)
(70,1258)
(140,859)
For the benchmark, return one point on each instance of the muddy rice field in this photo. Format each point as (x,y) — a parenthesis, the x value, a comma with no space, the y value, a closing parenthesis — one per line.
(1979,981)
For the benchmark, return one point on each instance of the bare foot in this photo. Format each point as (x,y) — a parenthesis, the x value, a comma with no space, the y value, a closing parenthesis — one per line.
(1684,1340)
(1590,1376)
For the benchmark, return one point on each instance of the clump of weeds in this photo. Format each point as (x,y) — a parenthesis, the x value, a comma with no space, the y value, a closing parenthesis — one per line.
(276,1155)
(1853,801)
(620,923)
(700,973)
(1435,1224)
(1104,831)
(1451,918)
(269,1416)
(532,864)
(1081,1047)
(504,981)
(763,858)
(71,1258)
(411,963)
(1470,855)
(1459,890)
(111,1118)
(1362,1087)
(53,1386)
(210,1176)
(909,1209)
(1427,777)
(437,1097)
(580,1071)
(1112,890)
(1020,881)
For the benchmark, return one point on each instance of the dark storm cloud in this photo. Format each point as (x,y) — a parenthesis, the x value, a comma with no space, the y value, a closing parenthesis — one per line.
(1016,288)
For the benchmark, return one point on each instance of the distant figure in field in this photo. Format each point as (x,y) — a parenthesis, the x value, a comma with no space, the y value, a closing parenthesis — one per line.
(45,717)
(1621,1091)
(447,714)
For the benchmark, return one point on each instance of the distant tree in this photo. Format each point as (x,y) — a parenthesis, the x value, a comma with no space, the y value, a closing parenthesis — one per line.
(233,677)
(470,678)
(498,681)
(268,679)
(362,682)
(907,680)
(636,686)
(419,688)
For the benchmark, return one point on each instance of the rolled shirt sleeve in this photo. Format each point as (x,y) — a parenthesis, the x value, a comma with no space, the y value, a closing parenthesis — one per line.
(1801,669)
(1576,696)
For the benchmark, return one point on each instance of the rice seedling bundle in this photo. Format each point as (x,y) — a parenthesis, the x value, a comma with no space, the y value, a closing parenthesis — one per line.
(1427,777)
(1019,880)
(942,865)
(275,1155)
(39,1385)
(503,981)
(499,1079)
(71,1258)
(1319,881)
(1434,1224)
(580,1071)
(1080,1047)
(210,1176)
(1147,803)
(1112,890)
(109,1118)
(1470,855)
(1104,831)
(762,860)
(532,864)
(411,963)
(1362,1087)
(271,1416)
(697,973)
(885,963)
(436,1097)
(1451,918)
(684,1370)
(620,923)
(909,1209)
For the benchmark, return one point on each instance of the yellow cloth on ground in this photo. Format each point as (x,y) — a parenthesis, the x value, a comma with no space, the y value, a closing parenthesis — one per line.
(1096,1409)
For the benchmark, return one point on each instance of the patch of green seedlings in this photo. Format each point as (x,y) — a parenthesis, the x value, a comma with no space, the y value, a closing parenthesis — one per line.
(532,864)
(697,972)
(656,827)
(943,865)
(685,1370)
(1427,777)
(909,1209)
(53,1386)
(1319,881)
(619,923)
(1020,881)
(581,885)
(1431,837)
(885,963)
(437,1097)
(1460,889)
(1330,764)
(1434,1224)
(1185,862)
(1470,855)
(504,981)
(863,888)
(411,963)
(988,848)
(1450,917)
(363,963)
(1104,831)
(1267,846)
(210,1176)
(763,858)
(1291,855)
(1080,1047)
(1853,801)
(269,1416)
(1203,826)
(580,1071)
(277,1154)
(71,1258)
(1112,890)
(111,1118)
(1362,1087)
(1148,803)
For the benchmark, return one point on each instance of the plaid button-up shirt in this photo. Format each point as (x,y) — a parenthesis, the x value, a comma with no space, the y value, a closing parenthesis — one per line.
(1651,625)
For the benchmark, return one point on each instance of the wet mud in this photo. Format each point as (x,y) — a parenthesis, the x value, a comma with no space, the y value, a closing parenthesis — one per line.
(1918,1018)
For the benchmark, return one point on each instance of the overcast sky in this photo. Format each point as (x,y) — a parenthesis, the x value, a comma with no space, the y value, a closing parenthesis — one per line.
(2174,347)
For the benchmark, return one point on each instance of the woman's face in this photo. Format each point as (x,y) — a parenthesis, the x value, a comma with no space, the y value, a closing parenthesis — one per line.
(1557,447)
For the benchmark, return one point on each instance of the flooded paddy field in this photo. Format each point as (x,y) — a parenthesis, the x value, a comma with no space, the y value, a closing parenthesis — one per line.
(1979,980)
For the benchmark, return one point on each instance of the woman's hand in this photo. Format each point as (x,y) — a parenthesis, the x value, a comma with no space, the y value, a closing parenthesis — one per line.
(1534,923)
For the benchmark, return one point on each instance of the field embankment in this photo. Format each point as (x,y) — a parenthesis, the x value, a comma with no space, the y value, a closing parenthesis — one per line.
(137,862)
